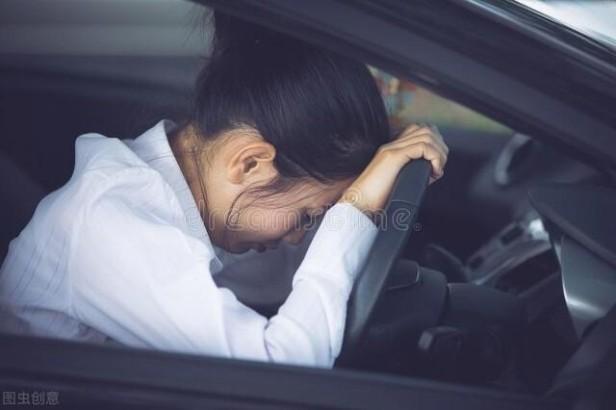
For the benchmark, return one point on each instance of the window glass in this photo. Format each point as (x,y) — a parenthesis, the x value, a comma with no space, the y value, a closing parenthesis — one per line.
(408,103)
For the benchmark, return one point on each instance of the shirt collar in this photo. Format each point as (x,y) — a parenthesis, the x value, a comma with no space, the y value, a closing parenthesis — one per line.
(154,149)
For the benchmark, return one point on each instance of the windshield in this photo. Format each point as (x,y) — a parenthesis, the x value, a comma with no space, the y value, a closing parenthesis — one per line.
(593,18)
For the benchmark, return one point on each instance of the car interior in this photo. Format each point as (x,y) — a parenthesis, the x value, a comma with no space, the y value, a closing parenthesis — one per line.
(488,292)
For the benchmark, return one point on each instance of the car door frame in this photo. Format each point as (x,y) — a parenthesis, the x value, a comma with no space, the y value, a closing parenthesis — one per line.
(96,376)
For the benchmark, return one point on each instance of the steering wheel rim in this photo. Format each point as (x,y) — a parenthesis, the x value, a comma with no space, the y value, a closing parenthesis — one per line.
(400,215)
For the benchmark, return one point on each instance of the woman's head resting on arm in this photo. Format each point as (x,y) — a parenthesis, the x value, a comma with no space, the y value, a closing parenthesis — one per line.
(280,129)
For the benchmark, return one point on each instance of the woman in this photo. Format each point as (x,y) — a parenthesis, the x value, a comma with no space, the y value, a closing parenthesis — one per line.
(137,246)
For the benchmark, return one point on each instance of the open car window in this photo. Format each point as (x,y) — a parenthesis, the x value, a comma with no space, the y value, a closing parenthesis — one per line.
(409,103)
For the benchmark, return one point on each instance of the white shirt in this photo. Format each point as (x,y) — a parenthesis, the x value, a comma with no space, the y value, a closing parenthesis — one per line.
(120,253)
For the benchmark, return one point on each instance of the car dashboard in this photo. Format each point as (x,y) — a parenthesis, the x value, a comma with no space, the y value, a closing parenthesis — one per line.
(580,229)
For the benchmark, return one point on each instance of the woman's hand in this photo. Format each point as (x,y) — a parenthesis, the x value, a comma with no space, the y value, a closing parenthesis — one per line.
(370,191)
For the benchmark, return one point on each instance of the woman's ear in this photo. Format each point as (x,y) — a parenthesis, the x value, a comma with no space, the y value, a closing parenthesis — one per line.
(250,160)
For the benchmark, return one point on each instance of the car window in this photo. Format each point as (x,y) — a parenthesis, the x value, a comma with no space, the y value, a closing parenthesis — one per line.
(161,28)
(592,18)
(408,103)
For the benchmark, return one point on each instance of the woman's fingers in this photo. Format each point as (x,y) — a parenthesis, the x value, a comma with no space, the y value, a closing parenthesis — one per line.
(420,147)
(426,138)
(422,141)
(429,152)
(415,131)
(426,150)
(440,137)
(369,191)
(417,150)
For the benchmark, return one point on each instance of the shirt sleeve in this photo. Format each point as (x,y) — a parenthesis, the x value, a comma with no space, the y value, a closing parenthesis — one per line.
(141,279)
(262,279)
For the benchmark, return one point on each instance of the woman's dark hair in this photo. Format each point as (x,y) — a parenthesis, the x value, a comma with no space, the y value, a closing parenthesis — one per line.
(321,111)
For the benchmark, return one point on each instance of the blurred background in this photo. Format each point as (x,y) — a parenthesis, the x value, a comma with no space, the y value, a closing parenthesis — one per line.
(594,18)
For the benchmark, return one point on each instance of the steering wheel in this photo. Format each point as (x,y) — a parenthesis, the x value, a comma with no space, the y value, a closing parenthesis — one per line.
(400,215)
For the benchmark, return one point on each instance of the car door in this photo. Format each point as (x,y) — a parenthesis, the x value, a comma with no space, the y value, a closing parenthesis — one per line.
(78,376)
